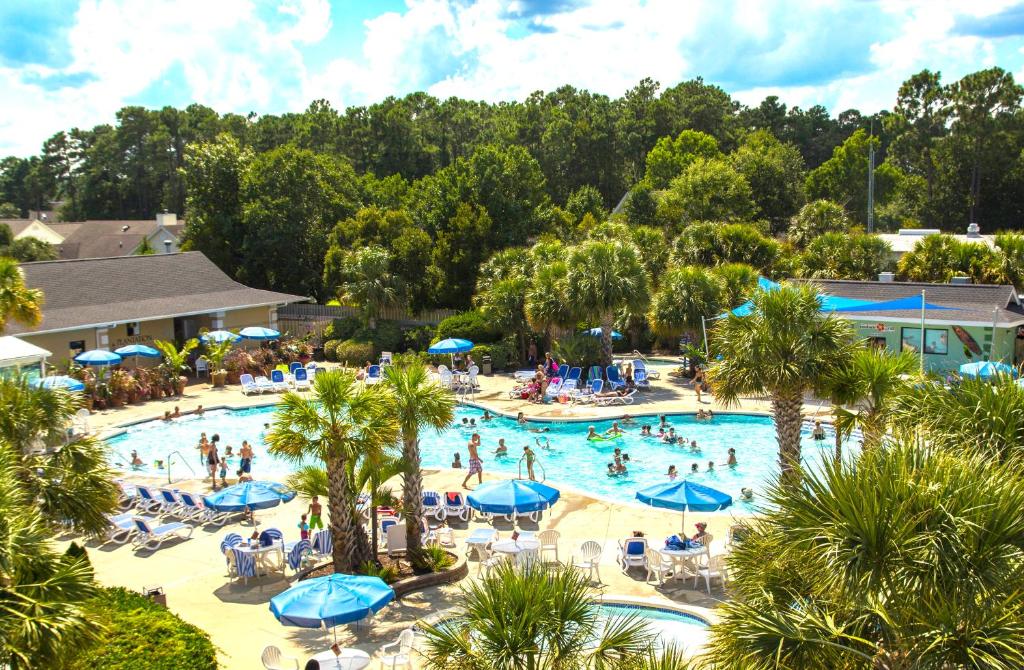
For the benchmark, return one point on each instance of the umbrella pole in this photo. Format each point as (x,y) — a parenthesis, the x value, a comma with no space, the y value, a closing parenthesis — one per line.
(683,526)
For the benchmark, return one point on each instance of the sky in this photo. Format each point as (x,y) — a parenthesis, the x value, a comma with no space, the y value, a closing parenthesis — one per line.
(74,63)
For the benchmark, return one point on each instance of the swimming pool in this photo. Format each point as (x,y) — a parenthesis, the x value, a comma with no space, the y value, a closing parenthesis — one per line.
(669,626)
(571,460)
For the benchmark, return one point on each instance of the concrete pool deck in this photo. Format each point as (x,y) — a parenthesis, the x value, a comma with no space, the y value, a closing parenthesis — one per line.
(192,572)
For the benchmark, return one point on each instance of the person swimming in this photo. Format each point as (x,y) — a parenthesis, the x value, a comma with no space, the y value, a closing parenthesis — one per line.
(670,437)
(592,433)
(732,457)
(747,493)
(672,472)
(628,420)
(502,450)
(694,468)
(521,419)
(711,466)
(487,416)
(819,432)
(611,470)
(546,445)
(614,430)
(465,422)
(693,447)
(136,461)
(645,430)
(472,423)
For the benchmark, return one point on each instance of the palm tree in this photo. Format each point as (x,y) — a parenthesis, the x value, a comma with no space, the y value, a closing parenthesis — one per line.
(533,619)
(868,383)
(67,478)
(503,303)
(907,558)
(686,298)
(603,278)
(545,302)
(175,360)
(740,281)
(369,282)
(41,591)
(342,421)
(17,301)
(785,347)
(416,402)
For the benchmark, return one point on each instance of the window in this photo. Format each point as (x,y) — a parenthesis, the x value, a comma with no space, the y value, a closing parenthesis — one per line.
(76,347)
(936,340)
(877,342)
(132,328)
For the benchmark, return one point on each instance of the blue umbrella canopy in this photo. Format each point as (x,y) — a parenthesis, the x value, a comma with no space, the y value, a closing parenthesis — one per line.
(248,496)
(331,601)
(986,369)
(137,350)
(59,381)
(259,333)
(512,496)
(683,495)
(450,346)
(596,332)
(97,357)
(220,336)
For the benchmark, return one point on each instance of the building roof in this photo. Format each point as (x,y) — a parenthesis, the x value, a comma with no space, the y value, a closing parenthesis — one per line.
(977,303)
(907,238)
(103,239)
(17,226)
(100,291)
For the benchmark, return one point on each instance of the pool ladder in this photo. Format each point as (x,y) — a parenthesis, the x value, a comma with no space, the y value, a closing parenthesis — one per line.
(183,460)
(536,462)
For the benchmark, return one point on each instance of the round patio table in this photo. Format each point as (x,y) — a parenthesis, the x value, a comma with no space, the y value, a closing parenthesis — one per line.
(349,659)
(680,557)
(513,547)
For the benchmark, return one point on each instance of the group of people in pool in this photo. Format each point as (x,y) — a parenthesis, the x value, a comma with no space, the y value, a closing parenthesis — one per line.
(217,463)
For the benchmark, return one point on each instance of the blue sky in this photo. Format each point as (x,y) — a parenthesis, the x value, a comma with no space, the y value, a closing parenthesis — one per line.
(66,63)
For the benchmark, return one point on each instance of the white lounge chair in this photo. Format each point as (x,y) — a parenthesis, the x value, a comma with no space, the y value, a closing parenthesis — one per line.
(274,660)
(627,399)
(149,537)
(455,505)
(248,384)
(373,375)
(200,513)
(589,559)
(278,381)
(170,504)
(264,385)
(121,529)
(433,505)
(632,553)
(302,382)
(396,539)
(554,388)
(146,500)
(402,656)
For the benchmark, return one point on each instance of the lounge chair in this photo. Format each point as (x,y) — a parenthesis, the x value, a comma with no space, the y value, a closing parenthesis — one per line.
(589,394)
(200,512)
(278,380)
(170,504)
(614,379)
(293,366)
(146,500)
(264,385)
(385,358)
(479,540)
(126,494)
(402,656)
(589,559)
(273,659)
(455,506)
(616,399)
(248,384)
(373,375)
(395,536)
(149,537)
(572,380)
(387,522)
(640,379)
(594,373)
(301,379)
(554,388)
(121,528)
(641,366)
(632,553)
(433,505)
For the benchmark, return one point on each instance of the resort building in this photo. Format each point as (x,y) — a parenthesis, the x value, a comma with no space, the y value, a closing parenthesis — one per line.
(18,357)
(105,303)
(962,322)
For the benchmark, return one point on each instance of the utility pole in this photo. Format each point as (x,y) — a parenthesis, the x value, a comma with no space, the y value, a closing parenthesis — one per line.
(871,179)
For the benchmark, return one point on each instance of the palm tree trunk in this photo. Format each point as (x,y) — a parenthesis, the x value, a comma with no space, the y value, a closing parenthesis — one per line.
(839,444)
(347,553)
(412,498)
(787,406)
(607,320)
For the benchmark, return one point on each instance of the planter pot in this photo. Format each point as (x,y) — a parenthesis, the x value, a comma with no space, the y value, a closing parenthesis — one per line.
(117,401)
(179,386)
(219,378)
(233,377)
(304,358)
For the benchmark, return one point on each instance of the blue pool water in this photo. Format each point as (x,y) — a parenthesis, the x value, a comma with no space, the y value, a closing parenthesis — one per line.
(668,626)
(572,460)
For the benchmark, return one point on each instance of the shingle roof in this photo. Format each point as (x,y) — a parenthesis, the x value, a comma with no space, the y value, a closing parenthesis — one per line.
(103,239)
(97,291)
(974,302)
(16,225)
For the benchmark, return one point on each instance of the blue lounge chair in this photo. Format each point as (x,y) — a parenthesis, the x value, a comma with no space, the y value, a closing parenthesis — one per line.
(248,384)
(270,536)
(640,379)
(278,381)
(295,365)
(572,379)
(295,553)
(614,380)
(554,388)
(639,365)
(432,505)
(146,500)
(301,379)
(455,505)
(170,504)
(200,512)
(149,537)
(590,393)
(373,374)
(323,543)
(594,373)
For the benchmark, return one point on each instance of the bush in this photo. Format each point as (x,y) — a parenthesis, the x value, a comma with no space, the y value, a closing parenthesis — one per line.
(138,633)
(472,326)
(387,336)
(354,353)
(342,329)
(578,350)
(417,338)
(329,350)
(501,353)
(387,573)
(411,357)
(436,558)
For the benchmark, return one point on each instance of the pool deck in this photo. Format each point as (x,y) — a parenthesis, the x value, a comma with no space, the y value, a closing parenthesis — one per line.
(192,572)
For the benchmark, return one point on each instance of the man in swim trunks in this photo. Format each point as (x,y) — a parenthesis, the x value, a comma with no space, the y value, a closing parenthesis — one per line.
(476,466)
(245,454)
(315,508)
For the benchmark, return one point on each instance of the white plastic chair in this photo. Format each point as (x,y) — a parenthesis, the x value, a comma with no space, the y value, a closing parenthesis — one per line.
(632,553)
(273,660)
(493,560)
(715,569)
(590,557)
(657,565)
(80,424)
(403,657)
(202,367)
(549,542)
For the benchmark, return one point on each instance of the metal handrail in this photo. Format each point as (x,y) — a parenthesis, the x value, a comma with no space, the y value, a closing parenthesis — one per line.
(536,462)
(183,460)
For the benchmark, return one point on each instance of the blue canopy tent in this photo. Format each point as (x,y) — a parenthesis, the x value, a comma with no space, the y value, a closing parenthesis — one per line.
(259,333)
(596,332)
(987,370)
(331,601)
(59,382)
(219,336)
(512,497)
(98,357)
(684,495)
(249,496)
(452,345)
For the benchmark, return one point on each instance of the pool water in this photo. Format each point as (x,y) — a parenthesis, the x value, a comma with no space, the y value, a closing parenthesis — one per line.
(564,455)
(668,626)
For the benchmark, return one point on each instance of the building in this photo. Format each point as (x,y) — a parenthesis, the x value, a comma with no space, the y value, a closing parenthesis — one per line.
(18,358)
(102,239)
(986,322)
(907,238)
(106,303)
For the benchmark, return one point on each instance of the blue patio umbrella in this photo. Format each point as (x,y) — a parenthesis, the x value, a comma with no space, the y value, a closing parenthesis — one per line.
(59,382)
(596,332)
(512,496)
(452,345)
(331,601)
(986,370)
(259,333)
(684,495)
(219,336)
(97,357)
(136,350)
(249,496)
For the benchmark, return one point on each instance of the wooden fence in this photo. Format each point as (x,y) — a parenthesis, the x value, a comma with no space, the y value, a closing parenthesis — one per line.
(302,318)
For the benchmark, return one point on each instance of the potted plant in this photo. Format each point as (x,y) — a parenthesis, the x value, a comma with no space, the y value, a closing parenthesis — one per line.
(120,383)
(175,362)
(215,354)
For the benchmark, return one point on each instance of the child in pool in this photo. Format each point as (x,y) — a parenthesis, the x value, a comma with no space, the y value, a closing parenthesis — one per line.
(611,470)
(645,431)
(819,432)
(592,433)
(472,423)
(672,473)
(627,420)
(136,461)
(732,457)
(670,437)
(487,416)
(711,466)
(693,447)
(614,430)
(521,419)
(465,422)
(502,450)
(457,463)
(663,423)
(694,469)
(747,493)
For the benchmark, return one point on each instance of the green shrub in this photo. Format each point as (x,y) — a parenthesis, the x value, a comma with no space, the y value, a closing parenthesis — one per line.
(578,350)
(329,350)
(138,633)
(503,354)
(388,573)
(417,338)
(472,326)
(411,357)
(436,558)
(342,329)
(354,353)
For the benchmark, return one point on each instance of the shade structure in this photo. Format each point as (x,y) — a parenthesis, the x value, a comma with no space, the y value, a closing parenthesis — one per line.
(249,496)
(331,601)
(220,336)
(915,302)
(986,370)
(60,382)
(450,346)
(137,350)
(512,496)
(259,333)
(98,357)
(684,495)
(596,332)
